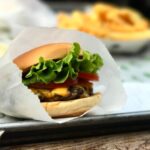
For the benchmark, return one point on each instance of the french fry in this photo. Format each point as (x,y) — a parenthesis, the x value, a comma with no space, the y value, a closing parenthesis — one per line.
(107,21)
(130,35)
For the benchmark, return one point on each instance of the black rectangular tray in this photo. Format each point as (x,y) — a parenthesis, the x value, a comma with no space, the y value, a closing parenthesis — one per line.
(36,131)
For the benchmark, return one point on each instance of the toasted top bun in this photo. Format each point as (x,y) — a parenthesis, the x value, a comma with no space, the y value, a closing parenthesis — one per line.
(49,51)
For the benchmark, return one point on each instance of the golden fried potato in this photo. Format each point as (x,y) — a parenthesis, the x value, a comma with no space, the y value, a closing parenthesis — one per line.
(129,35)
(126,21)
(107,21)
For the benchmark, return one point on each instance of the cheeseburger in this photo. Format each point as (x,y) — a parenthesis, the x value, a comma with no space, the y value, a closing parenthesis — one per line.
(61,75)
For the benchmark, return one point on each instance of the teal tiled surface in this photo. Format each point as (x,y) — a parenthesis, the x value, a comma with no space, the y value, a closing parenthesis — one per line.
(135,68)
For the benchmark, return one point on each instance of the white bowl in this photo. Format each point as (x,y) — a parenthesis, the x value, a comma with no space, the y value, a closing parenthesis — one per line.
(125,46)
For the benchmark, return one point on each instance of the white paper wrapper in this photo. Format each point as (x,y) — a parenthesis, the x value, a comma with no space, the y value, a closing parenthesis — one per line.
(1,133)
(17,100)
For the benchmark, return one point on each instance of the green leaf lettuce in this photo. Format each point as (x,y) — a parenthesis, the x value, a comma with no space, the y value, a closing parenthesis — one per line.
(58,71)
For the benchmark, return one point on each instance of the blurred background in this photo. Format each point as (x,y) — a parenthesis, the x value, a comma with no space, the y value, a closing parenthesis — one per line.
(122,25)
(141,5)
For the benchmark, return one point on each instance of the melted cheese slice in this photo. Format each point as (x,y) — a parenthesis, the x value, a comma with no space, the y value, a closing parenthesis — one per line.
(48,94)
(60,91)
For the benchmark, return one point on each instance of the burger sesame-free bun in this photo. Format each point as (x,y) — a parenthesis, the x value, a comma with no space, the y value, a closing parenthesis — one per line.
(49,51)
(71,108)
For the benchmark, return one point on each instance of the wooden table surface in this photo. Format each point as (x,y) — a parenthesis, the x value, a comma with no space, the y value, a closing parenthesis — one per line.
(126,141)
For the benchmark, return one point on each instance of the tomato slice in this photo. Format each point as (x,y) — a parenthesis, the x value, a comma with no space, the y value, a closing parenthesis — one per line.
(88,76)
(67,83)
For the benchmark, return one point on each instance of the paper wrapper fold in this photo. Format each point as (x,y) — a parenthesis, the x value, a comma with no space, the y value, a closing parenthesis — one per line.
(18,101)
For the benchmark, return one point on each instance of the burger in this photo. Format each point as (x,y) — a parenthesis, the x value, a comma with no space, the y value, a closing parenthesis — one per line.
(61,75)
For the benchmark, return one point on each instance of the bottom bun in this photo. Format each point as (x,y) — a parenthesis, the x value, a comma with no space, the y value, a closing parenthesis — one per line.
(71,108)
